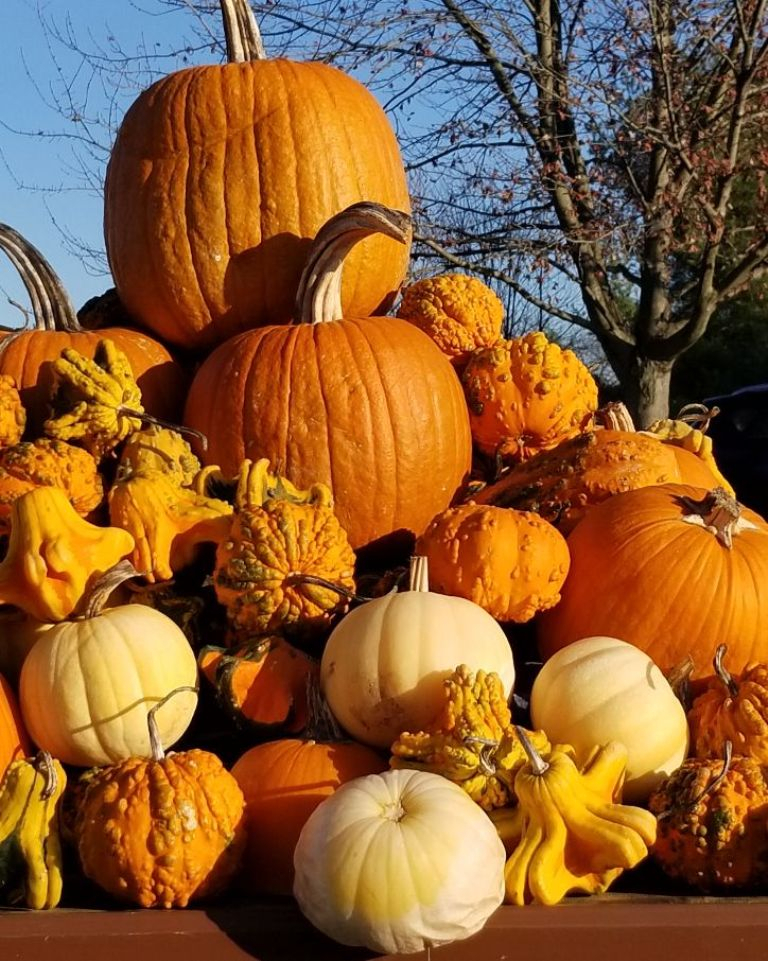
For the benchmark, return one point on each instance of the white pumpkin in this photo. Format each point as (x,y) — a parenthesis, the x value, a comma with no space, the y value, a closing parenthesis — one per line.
(601,689)
(384,664)
(399,862)
(86,686)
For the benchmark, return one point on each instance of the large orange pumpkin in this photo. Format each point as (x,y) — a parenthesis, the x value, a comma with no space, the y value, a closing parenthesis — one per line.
(674,570)
(369,406)
(14,741)
(222,174)
(27,354)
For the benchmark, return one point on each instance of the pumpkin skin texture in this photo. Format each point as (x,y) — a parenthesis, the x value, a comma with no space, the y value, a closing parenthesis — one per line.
(602,689)
(384,664)
(645,569)
(161,832)
(283,782)
(731,709)
(399,862)
(370,407)
(14,741)
(511,563)
(27,355)
(526,395)
(13,417)
(86,685)
(218,179)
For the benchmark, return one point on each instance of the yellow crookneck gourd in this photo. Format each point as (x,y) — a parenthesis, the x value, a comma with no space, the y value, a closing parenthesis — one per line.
(286,561)
(574,833)
(96,403)
(30,846)
(54,555)
(472,742)
(167,521)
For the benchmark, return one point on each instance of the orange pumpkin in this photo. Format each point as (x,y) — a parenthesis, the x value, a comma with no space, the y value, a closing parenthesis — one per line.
(673,570)
(368,406)
(283,782)
(26,354)
(14,740)
(221,175)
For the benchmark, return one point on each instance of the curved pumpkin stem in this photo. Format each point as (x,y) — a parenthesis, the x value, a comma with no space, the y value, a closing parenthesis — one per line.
(538,765)
(51,306)
(318,298)
(44,764)
(723,674)
(241,32)
(108,582)
(718,512)
(155,745)
(698,416)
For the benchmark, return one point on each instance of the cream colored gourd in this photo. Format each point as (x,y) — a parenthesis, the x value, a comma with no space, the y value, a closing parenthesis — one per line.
(601,689)
(87,685)
(399,862)
(384,664)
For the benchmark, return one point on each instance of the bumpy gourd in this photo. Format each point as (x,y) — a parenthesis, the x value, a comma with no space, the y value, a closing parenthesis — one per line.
(54,555)
(13,417)
(459,312)
(512,563)
(97,403)
(731,709)
(711,815)
(167,522)
(286,563)
(525,395)
(163,831)
(262,686)
(563,483)
(44,462)
(472,741)
(684,436)
(575,835)
(160,448)
(30,845)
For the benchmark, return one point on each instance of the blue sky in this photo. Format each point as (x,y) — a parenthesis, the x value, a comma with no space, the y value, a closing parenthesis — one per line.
(26,63)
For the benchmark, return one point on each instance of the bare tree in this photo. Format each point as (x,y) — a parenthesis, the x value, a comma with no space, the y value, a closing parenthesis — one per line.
(569,151)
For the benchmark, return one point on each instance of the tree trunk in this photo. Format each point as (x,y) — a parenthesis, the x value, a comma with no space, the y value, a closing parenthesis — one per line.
(646,386)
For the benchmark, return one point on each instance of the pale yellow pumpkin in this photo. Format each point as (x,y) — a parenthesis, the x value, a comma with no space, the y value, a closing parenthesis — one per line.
(383,667)
(87,685)
(399,862)
(601,689)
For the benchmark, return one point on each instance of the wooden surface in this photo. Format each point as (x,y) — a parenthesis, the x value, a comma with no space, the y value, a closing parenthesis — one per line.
(614,927)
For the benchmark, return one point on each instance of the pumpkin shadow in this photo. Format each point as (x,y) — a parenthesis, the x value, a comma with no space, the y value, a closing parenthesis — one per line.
(263,281)
(274,929)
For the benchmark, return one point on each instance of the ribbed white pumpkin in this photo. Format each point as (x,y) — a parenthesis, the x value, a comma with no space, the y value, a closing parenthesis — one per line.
(398,862)
(86,685)
(384,664)
(602,689)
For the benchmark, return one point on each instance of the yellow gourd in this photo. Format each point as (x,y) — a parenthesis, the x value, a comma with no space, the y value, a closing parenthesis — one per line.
(575,835)
(13,417)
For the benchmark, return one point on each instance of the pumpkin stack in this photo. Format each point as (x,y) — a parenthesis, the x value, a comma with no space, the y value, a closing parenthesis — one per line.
(411,611)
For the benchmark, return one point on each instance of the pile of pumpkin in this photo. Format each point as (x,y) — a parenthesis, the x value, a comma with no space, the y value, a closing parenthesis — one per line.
(429,631)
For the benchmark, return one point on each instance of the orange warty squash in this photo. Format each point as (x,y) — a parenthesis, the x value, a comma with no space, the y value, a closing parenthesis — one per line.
(512,563)
(561,484)
(526,395)
(245,161)
(27,354)
(13,417)
(671,569)
(368,406)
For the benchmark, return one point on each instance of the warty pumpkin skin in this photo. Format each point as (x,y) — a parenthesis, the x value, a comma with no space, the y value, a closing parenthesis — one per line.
(13,417)
(368,406)
(645,568)
(222,174)
(161,831)
(26,355)
(512,563)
